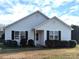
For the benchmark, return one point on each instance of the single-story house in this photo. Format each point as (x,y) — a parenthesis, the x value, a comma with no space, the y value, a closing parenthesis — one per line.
(39,28)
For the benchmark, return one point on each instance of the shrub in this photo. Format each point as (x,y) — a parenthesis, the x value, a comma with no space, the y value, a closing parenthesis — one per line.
(2,38)
(64,44)
(47,43)
(60,44)
(72,43)
(31,43)
(57,43)
(14,44)
(52,43)
(23,42)
(7,42)
(10,43)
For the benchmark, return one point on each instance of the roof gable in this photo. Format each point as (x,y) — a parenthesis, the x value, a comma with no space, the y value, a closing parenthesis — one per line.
(29,16)
(62,22)
(56,18)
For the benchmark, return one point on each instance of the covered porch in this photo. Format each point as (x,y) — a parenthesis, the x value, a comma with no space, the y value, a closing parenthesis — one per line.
(39,37)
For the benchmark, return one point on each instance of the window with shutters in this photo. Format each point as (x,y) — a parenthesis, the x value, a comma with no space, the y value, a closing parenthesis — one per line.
(53,35)
(23,34)
(16,34)
(19,35)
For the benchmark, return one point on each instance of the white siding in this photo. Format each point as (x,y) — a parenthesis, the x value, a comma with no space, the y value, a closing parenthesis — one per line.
(26,24)
(55,25)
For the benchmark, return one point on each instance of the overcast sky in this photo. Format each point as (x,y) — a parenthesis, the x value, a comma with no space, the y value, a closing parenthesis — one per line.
(13,10)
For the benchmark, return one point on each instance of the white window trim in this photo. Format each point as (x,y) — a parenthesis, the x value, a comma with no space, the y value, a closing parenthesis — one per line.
(53,34)
(18,35)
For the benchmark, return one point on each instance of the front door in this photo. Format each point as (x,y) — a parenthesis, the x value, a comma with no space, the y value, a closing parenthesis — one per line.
(39,37)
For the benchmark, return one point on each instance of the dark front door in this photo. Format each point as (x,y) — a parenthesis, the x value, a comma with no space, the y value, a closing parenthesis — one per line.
(24,38)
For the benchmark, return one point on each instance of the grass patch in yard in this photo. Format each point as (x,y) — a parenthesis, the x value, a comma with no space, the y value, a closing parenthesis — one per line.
(61,57)
(39,53)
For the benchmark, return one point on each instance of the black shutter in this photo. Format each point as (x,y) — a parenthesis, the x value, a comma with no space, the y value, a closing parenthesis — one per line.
(36,36)
(26,35)
(12,35)
(47,35)
(59,35)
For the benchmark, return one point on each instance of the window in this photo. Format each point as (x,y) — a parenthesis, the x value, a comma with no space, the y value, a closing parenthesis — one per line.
(19,35)
(23,35)
(16,34)
(53,35)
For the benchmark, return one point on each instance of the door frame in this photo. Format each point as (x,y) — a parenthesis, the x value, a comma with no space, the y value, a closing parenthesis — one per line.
(39,38)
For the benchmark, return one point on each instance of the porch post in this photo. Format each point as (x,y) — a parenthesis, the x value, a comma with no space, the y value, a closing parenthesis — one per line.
(45,36)
(35,37)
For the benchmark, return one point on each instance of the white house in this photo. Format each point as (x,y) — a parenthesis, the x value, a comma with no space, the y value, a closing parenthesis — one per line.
(39,28)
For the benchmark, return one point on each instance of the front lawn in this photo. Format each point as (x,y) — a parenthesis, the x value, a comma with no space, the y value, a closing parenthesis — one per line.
(37,53)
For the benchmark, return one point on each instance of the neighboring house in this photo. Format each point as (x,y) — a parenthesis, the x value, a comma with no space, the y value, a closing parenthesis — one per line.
(39,28)
(1,32)
(75,33)
(1,29)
